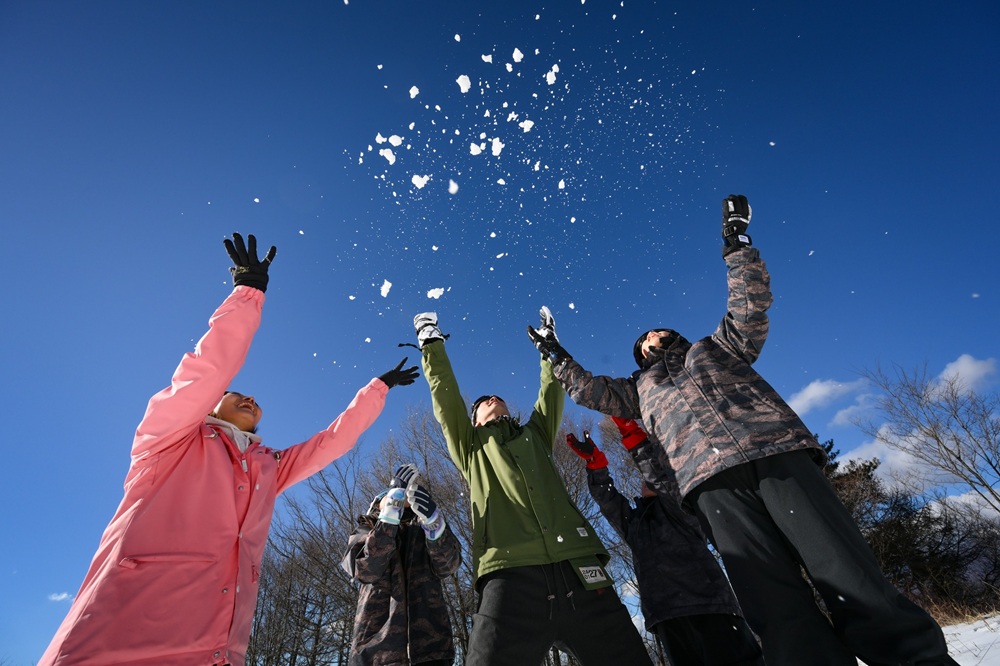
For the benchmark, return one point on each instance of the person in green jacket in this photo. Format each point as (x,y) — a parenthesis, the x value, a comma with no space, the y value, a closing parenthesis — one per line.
(539,565)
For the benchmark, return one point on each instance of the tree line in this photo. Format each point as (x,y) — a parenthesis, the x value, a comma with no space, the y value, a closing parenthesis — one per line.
(943,554)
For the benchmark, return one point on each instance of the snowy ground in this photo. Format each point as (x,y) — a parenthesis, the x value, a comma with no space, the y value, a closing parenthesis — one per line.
(975,643)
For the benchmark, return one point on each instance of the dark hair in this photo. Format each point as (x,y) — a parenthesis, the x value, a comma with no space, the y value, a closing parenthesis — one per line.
(637,347)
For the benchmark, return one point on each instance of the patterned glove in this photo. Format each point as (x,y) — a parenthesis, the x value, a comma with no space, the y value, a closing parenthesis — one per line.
(392,506)
(248,271)
(426,509)
(632,433)
(402,476)
(736,214)
(587,450)
(426,326)
(545,340)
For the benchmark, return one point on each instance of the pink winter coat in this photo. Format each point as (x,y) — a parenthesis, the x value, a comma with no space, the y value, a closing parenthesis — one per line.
(174,580)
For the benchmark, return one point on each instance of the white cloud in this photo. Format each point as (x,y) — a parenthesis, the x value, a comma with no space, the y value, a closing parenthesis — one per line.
(59,596)
(972,373)
(821,393)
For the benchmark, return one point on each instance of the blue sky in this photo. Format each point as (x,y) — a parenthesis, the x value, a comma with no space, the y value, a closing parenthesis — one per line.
(135,136)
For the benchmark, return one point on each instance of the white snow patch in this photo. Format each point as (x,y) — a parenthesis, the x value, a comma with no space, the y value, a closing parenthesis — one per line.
(386,286)
(550,76)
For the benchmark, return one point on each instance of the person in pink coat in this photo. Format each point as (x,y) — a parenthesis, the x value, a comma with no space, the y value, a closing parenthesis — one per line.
(174,580)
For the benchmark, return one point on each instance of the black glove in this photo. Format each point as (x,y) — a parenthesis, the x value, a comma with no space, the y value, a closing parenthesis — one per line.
(248,271)
(545,340)
(403,475)
(736,214)
(399,377)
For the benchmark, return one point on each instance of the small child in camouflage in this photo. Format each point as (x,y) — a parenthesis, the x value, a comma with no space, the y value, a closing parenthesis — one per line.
(750,469)
(400,551)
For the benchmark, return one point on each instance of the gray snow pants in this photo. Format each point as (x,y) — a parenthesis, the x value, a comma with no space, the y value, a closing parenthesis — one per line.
(766,518)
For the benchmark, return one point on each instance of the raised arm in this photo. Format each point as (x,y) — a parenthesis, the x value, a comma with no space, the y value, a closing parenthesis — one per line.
(449,407)
(614,506)
(603,394)
(744,328)
(204,374)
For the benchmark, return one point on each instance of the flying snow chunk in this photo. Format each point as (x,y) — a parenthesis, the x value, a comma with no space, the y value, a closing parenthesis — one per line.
(572,306)
(388,155)
(475,148)
(368,340)
(386,286)
(395,140)
(501,255)
(550,76)
(693,72)
(810,253)
(487,58)
(501,181)
(464,84)
(771,143)
(351,298)
(379,66)
(498,147)
(420,181)
(435,293)
(301,233)
(414,91)
(562,184)
(517,55)
(452,188)
(526,125)
(458,38)
(256,200)
(510,67)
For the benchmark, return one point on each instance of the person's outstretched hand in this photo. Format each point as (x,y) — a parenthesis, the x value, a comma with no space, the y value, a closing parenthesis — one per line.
(587,450)
(545,340)
(736,213)
(248,271)
(399,376)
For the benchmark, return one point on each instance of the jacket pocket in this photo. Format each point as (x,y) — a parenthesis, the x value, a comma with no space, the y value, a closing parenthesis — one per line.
(133,561)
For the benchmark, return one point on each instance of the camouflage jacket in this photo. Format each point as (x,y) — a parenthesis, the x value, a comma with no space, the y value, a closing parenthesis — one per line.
(677,574)
(704,401)
(402,617)
(521,512)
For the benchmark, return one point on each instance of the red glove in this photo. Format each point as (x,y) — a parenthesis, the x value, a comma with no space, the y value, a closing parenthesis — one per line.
(632,433)
(587,450)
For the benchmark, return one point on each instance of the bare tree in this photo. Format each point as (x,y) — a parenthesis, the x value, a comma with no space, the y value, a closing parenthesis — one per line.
(950,430)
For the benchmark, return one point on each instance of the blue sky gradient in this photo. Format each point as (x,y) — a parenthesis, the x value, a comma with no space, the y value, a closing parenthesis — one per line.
(135,136)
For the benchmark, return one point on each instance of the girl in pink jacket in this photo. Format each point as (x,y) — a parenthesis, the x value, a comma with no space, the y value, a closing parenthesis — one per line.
(174,580)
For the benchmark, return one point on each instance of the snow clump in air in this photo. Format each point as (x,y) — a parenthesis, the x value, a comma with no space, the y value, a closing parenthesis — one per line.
(464,84)
(435,293)
(420,181)
(386,286)
(414,91)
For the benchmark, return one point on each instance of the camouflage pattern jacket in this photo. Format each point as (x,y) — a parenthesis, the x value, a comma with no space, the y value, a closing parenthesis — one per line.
(704,401)
(677,574)
(402,616)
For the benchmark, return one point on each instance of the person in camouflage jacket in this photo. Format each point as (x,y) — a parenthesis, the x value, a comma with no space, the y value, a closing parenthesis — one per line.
(685,597)
(399,553)
(750,469)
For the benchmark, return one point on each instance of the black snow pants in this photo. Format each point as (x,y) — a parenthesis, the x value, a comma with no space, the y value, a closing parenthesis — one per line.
(769,517)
